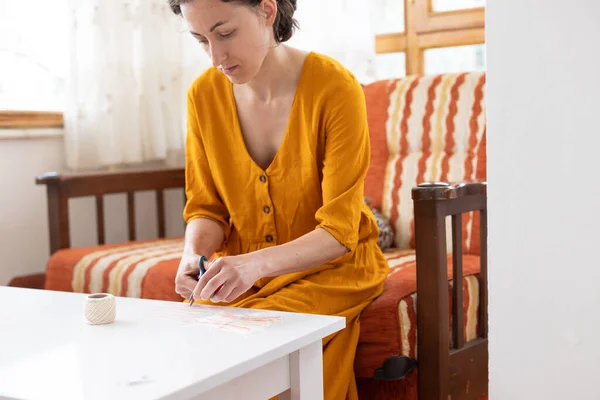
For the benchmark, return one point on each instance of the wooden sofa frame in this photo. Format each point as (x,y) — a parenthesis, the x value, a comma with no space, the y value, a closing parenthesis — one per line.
(458,373)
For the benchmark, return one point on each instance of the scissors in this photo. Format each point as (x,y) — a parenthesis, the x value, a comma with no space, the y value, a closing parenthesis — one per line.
(201,271)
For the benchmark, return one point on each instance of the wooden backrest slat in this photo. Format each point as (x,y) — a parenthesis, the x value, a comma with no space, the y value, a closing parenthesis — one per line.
(100,219)
(483,275)
(131,214)
(160,213)
(458,320)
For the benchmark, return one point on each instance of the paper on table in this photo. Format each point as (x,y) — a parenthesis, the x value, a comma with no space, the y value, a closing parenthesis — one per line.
(239,320)
(238,323)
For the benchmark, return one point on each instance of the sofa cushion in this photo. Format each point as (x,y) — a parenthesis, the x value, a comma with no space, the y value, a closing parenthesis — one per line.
(148,269)
(143,269)
(424,128)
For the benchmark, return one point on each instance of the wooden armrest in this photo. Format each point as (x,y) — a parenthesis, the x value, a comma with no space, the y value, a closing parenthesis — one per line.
(61,187)
(448,191)
(433,203)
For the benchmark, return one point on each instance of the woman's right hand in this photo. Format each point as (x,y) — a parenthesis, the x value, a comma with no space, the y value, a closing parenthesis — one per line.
(203,236)
(187,274)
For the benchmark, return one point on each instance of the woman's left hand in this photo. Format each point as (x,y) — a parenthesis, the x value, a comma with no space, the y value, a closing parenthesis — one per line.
(228,277)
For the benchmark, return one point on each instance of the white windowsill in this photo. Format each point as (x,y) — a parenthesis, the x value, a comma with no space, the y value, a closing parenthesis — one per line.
(29,134)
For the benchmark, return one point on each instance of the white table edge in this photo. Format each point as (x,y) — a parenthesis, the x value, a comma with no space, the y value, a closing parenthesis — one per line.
(270,356)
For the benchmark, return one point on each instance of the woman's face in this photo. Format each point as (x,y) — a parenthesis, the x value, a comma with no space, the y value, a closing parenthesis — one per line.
(236,37)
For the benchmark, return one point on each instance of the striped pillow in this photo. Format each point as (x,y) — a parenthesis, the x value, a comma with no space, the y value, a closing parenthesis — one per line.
(424,128)
(386,233)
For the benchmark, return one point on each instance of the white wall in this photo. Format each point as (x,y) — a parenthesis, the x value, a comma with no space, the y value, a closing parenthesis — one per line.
(24,243)
(543,99)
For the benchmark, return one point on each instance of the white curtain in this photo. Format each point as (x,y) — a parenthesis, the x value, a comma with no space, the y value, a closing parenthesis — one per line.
(123,88)
(340,29)
(131,62)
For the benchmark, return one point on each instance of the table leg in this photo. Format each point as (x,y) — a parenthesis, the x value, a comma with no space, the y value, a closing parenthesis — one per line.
(306,374)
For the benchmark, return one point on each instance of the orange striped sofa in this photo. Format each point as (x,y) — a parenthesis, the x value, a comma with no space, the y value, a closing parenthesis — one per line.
(423,129)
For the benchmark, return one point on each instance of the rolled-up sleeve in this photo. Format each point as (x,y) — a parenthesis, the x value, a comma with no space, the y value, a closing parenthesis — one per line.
(203,200)
(345,164)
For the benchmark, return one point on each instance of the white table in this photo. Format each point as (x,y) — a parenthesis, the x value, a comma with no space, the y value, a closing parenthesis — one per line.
(153,350)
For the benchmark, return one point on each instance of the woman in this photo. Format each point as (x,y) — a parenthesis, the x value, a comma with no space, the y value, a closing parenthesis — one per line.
(277,153)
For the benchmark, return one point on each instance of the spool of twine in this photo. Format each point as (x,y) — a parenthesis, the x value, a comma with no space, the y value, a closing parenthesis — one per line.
(99,309)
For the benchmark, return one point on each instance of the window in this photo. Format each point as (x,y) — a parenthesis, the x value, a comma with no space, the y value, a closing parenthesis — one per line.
(454,59)
(390,65)
(33,63)
(452,5)
(387,16)
(431,36)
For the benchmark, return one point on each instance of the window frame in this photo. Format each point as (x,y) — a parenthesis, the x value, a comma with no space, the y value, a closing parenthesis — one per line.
(427,29)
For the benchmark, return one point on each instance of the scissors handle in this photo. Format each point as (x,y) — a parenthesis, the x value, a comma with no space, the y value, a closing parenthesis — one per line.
(202,271)
(201,261)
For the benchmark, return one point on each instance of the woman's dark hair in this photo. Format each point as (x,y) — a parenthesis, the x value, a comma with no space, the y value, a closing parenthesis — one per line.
(283,27)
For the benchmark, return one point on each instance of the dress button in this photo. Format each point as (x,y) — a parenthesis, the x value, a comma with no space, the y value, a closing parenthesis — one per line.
(267,209)
(269,238)
(263,178)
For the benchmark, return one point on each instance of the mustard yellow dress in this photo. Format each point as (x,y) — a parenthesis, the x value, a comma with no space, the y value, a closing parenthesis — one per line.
(315,181)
